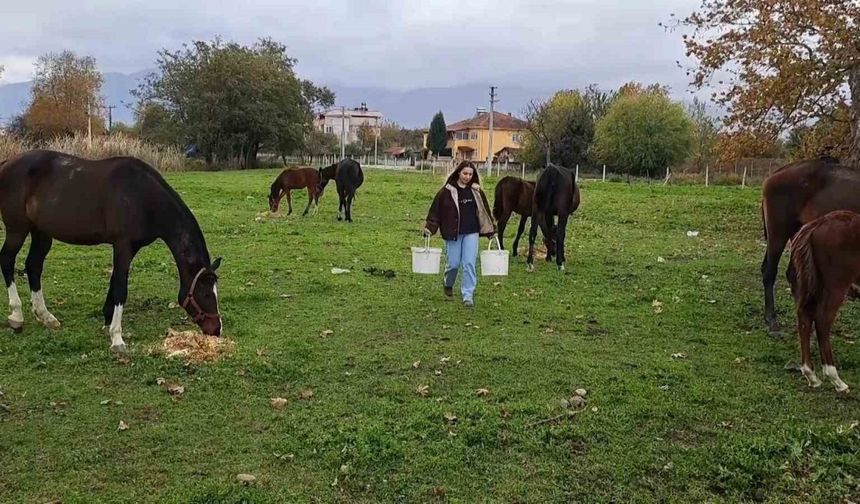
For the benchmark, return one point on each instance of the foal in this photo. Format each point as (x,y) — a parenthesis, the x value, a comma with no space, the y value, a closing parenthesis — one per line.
(825,261)
(295,178)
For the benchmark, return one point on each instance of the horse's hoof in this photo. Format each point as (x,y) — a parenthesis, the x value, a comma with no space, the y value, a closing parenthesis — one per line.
(530,268)
(843,391)
(561,267)
(119,349)
(52,323)
(16,325)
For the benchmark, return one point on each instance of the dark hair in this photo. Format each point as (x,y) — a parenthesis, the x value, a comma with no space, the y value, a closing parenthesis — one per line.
(456,173)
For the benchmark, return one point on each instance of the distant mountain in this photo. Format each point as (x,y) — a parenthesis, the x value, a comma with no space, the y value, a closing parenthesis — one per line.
(415,108)
(411,109)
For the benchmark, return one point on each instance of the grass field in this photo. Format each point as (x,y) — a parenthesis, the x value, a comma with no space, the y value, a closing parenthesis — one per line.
(724,422)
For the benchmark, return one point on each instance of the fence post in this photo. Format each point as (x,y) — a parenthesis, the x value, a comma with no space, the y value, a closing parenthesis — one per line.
(707,168)
(604,173)
(576,178)
(744,179)
(667,176)
(524,169)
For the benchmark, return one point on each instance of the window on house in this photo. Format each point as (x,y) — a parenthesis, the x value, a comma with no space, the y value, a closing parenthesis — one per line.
(517,137)
(329,129)
(473,135)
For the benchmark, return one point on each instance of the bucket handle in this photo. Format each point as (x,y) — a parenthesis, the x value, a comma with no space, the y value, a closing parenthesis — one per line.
(498,244)
(426,243)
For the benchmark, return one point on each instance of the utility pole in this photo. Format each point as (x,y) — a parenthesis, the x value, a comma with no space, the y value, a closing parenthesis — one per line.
(376,146)
(110,117)
(490,143)
(342,132)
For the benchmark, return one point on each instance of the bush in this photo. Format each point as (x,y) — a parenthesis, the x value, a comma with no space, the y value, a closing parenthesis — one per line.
(162,158)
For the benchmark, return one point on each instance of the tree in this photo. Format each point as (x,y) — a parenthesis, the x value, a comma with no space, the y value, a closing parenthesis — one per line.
(65,91)
(155,123)
(705,131)
(366,137)
(437,138)
(318,143)
(786,63)
(232,100)
(643,133)
(560,129)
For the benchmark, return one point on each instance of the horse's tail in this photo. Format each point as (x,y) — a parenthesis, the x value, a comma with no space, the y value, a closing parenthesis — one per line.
(545,187)
(806,282)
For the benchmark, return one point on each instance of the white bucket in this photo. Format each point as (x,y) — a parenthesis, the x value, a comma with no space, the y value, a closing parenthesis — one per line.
(426,260)
(494,262)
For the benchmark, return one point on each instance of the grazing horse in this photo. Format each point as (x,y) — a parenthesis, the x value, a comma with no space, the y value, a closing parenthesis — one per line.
(556,194)
(794,195)
(121,201)
(825,261)
(514,195)
(347,177)
(295,179)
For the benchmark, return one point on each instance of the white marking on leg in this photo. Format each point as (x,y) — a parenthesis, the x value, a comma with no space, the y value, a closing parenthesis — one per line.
(16,318)
(810,376)
(41,311)
(116,342)
(833,376)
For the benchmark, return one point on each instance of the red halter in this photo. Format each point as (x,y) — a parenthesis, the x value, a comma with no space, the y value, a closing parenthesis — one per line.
(201,315)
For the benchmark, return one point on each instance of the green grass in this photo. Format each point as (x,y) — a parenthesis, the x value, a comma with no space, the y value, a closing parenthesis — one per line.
(726,424)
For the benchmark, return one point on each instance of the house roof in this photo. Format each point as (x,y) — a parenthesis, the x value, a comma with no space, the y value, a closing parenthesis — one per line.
(481,120)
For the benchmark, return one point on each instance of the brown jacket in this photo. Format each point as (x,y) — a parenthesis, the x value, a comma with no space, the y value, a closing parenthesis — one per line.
(444,214)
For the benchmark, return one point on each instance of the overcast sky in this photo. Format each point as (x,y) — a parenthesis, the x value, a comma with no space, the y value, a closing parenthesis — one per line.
(395,44)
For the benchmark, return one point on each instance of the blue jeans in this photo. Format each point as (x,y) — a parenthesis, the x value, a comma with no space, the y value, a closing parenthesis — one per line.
(462,252)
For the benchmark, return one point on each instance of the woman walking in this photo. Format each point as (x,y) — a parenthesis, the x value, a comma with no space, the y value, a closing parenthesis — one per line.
(461,213)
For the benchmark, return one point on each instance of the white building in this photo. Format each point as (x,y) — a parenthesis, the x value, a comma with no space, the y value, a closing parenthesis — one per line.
(330,121)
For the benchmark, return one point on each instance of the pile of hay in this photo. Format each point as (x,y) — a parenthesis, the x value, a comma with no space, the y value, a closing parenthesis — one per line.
(195,347)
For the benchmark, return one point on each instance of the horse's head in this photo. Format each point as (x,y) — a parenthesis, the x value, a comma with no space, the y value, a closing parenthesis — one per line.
(326,174)
(201,301)
(275,197)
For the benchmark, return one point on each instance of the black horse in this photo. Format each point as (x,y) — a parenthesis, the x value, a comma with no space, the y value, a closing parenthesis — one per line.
(120,201)
(556,194)
(347,177)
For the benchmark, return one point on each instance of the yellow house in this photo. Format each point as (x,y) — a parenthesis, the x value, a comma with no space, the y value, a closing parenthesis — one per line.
(470,139)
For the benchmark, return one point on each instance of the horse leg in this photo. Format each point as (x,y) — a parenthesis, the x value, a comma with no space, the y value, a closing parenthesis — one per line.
(340,205)
(769,268)
(40,245)
(10,249)
(536,216)
(804,330)
(503,222)
(560,232)
(546,226)
(122,256)
(289,202)
(310,200)
(823,324)
(349,199)
(520,229)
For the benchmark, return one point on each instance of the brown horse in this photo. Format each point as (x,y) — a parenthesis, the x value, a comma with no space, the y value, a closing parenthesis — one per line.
(120,201)
(825,261)
(556,194)
(513,195)
(794,195)
(295,178)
